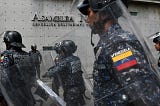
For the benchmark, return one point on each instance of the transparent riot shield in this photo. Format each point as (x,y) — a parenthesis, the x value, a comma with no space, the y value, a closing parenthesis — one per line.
(50,83)
(123,63)
(20,85)
(20,82)
(46,89)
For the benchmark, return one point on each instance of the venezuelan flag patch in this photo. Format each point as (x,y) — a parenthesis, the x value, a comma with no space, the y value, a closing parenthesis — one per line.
(123,59)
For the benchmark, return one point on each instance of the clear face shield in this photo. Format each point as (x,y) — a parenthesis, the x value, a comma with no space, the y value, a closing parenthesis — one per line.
(118,40)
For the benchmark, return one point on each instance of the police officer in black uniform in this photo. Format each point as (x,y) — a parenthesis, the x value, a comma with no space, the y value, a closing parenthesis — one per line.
(36,57)
(69,70)
(17,72)
(156,40)
(122,74)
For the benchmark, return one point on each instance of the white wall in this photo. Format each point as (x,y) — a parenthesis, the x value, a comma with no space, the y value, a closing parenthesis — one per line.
(17,15)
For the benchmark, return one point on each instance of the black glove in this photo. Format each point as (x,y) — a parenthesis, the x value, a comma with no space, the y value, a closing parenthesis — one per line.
(45,75)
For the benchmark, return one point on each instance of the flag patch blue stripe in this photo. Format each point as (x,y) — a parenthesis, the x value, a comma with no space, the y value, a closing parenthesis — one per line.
(130,58)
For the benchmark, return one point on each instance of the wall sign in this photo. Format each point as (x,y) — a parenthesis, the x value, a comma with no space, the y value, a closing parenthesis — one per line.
(56,21)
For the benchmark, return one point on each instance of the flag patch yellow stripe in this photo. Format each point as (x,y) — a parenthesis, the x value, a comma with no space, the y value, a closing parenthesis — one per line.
(122,56)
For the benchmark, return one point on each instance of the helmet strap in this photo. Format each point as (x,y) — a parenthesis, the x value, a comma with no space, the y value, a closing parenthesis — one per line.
(91,38)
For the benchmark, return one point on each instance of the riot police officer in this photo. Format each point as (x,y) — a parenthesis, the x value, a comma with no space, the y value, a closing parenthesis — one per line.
(17,73)
(69,69)
(156,40)
(122,74)
(36,57)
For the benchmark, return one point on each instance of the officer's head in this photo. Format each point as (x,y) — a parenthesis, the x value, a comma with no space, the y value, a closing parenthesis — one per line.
(156,40)
(13,39)
(34,46)
(68,47)
(99,12)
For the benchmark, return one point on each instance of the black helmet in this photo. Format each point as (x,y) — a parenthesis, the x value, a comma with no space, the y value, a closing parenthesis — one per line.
(83,7)
(34,46)
(97,5)
(13,38)
(156,37)
(68,46)
(57,47)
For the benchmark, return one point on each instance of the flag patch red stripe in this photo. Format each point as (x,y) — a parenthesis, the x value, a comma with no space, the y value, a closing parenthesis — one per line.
(126,65)
(1,60)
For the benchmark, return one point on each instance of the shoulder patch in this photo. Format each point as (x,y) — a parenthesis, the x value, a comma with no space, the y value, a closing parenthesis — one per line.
(123,59)
(1,59)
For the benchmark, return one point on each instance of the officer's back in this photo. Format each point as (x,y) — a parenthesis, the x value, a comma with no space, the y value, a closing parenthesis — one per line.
(16,70)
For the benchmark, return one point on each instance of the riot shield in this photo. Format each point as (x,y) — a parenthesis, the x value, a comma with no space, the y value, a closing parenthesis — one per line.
(20,85)
(46,88)
(123,61)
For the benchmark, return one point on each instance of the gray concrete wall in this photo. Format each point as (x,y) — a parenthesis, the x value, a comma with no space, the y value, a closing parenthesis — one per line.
(147,19)
(17,15)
